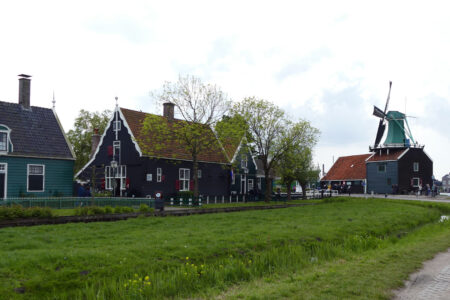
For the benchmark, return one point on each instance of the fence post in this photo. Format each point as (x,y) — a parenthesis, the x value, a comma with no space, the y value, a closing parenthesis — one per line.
(215,199)
(223,199)
(171,201)
(190,201)
(207,199)
(243,198)
(181,201)
(199,201)
(230,198)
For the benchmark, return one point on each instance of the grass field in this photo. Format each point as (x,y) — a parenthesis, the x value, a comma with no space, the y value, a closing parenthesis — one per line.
(347,248)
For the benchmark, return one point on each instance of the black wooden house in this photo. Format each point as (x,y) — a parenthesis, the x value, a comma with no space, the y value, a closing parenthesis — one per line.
(120,166)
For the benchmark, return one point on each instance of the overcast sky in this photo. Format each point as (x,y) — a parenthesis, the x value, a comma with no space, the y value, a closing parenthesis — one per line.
(325,61)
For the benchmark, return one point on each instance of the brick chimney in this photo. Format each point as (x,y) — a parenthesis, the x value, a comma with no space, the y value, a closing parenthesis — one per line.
(24,90)
(169,109)
(95,140)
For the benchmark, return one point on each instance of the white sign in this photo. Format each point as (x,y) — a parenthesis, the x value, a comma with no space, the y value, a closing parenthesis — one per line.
(149,177)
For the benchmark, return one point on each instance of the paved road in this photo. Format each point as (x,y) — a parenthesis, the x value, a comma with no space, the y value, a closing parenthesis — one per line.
(439,198)
(432,282)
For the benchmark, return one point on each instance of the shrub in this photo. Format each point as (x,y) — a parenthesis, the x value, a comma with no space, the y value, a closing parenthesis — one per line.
(108,209)
(144,208)
(96,210)
(18,212)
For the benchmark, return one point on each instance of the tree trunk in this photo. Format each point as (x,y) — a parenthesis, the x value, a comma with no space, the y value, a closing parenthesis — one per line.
(288,189)
(303,185)
(268,192)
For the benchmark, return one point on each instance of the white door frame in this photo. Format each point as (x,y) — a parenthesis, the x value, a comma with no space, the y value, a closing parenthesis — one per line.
(6,179)
(243,180)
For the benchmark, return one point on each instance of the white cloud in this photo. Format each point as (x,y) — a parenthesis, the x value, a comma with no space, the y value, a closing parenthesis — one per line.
(315,59)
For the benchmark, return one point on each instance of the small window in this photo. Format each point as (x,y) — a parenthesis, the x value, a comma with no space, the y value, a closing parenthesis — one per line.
(116,125)
(4,141)
(250,184)
(416,167)
(116,148)
(185,176)
(158,174)
(36,178)
(243,161)
(199,174)
(108,178)
(415,182)
(381,168)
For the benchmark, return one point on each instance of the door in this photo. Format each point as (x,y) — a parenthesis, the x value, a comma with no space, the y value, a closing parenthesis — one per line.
(243,184)
(3,181)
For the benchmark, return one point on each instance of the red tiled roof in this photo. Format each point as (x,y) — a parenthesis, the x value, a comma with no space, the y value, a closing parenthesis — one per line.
(347,168)
(172,147)
(393,155)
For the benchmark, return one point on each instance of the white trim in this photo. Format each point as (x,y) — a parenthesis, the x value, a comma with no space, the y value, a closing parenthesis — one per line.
(220,144)
(8,139)
(368,157)
(401,155)
(181,180)
(98,146)
(248,184)
(28,177)
(133,139)
(377,161)
(243,180)
(5,193)
(64,134)
(418,181)
(237,150)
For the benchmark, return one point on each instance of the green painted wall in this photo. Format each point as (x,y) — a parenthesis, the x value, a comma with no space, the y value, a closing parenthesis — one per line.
(58,176)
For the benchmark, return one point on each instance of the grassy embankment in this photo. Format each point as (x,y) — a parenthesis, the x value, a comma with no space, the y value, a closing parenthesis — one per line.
(346,249)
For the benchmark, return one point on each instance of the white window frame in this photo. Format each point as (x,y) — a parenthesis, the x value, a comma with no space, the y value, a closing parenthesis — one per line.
(416,167)
(184,178)
(5,171)
(116,145)
(117,125)
(250,185)
(7,141)
(199,173)
(108,178)
(418,181)
(244,161)
(122,175)
(28,177)
(158,174)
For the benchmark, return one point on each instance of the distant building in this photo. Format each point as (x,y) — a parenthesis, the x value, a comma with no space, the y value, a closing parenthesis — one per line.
(446,183)
(347,171)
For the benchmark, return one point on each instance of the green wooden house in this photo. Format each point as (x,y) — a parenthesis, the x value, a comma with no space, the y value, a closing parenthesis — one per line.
(36,158)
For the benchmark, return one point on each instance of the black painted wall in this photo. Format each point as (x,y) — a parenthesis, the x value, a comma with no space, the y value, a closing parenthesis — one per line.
(406,170)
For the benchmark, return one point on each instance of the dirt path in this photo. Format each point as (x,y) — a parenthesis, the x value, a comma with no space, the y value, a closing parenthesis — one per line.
(431,282)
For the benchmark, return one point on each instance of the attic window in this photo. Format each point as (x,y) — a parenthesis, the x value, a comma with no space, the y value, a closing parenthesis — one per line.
(3,141)
(116,125)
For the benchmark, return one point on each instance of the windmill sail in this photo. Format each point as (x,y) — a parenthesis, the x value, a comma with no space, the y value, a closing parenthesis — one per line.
(380,132)
(380,114)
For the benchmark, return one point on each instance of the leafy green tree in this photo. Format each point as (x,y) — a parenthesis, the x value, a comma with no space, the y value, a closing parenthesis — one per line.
(201,106)
(272,133)
(81,135)
(296,165)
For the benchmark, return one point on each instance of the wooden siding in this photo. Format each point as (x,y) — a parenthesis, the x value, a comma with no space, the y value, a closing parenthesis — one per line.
(215,177)
(381,182)
(239,171)
(406,170)
(58,176)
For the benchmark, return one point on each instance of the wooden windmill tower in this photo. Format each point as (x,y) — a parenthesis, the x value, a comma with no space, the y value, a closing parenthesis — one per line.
(399,164)
(399,134)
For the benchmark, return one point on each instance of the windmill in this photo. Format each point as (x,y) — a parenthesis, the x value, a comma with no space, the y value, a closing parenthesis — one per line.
(399,135)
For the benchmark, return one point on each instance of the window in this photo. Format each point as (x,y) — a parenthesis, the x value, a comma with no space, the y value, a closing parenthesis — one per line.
(415,182)
(185,176)
(116,148)
(36,178)
(116,125)
(4,141)
(158,174)
(416,167)
(123,177)
(250,184)
(381,168)
(199,173)
(243,160)
(112,173)
(233,178)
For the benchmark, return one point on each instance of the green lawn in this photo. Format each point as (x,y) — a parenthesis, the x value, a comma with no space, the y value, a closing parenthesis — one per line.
(348,248)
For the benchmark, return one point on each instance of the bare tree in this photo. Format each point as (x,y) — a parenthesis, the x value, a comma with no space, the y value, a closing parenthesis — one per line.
(201,106)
